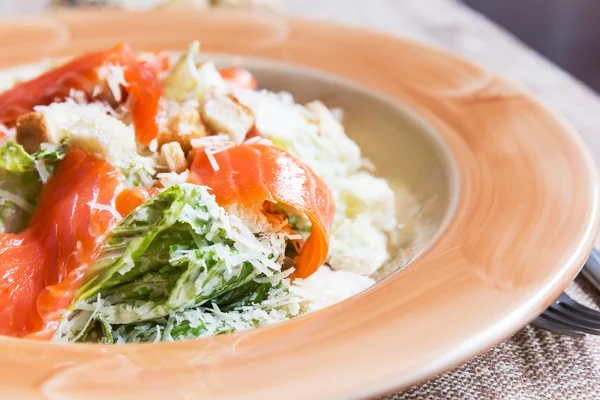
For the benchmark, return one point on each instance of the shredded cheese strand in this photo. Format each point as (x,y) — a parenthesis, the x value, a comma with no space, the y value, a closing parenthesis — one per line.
(102,207)
(42,170)
(19,201)
(211,159)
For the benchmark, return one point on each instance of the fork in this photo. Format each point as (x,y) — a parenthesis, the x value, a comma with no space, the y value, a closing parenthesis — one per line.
(568,317)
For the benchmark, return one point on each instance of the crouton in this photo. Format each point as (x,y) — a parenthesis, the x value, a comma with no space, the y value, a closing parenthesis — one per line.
(174,157)
(32,131)
(87,125)
(182,127)
(223,113)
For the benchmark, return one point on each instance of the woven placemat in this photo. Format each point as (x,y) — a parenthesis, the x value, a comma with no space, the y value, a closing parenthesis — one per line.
(533,364)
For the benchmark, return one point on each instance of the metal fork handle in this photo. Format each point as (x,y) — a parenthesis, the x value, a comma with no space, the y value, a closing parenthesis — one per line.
(591,269)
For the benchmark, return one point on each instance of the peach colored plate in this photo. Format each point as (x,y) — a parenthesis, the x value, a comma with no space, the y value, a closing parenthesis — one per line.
(525,217)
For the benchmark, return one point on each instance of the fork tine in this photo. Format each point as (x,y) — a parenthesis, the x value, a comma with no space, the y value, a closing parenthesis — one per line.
(574,317)
(543,323)
(552,315)
(568,302)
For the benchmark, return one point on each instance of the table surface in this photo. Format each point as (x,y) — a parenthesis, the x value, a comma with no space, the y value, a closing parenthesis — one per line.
(533,364)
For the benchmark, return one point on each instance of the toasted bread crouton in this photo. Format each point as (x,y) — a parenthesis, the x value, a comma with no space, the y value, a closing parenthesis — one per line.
(87,125)
(223,113)
(32,131)
(182,127)
(174,157)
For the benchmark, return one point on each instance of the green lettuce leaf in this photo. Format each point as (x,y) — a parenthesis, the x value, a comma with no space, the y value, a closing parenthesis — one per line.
(177,251)
(179,267)
(268,302)
(21,180)
(189,78)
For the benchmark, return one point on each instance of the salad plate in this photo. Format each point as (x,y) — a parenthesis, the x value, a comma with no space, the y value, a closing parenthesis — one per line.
(495,199)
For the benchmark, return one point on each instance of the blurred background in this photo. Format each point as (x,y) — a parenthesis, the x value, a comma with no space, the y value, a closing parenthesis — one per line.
(565,31)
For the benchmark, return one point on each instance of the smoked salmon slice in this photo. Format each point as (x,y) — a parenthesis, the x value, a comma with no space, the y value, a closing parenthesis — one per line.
(42,267)
(145,93)
(142,87)
(255,173)
(79,74)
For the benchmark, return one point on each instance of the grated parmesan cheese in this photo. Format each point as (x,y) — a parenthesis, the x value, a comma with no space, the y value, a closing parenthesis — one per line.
(211,159)
(358,246)
(254,139)
(19,201)
(326,287)
(115,78)
(77,96)
(96,91)
(210,141)
(222,148)
(42,170)
(168,179)
(153,146)
(101,207)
